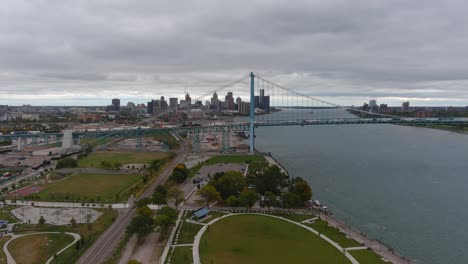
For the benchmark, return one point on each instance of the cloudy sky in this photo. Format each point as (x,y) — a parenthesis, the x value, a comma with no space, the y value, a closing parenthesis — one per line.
(77,52)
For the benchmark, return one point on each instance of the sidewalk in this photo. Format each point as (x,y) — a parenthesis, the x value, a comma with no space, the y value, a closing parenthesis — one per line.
(375,245)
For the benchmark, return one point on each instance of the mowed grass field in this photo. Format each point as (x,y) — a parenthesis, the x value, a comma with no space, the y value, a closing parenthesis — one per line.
(89,186)
(262,239)
(38,248)
(94,159)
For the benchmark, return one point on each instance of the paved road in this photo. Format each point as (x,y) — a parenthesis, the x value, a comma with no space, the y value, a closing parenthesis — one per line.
(108,241)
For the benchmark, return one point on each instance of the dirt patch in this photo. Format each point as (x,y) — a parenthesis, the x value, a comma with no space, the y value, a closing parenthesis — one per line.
(148,251)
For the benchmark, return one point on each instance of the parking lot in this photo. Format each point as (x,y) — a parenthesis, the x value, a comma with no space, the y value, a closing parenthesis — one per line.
(55,216)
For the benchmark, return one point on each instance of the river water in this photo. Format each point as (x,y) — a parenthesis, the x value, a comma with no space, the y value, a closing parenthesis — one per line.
(405,186)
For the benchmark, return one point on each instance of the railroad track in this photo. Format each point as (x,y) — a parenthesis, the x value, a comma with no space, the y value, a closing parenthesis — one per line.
(105,245)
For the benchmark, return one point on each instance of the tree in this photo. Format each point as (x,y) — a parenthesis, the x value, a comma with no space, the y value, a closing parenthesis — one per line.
(179,174)
(231,183)
(169,211)
(164,223)
(269,179)
(209,194)
(176,195)
(291,200)
(302,189)
(42,220)
(248,198)
(88,221)
(133,261)
(73,222)
(145,210)
(143,202)
(160,195)
(106,164)
(155,165)
(166,218)
(232,201)
(67,163)
(141,225)
(117,165)
(270,200)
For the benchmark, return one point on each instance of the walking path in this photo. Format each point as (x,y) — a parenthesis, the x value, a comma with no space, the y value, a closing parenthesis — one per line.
(171,237)
(11,260)
(375,245)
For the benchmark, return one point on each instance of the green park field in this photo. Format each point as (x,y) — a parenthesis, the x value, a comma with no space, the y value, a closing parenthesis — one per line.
(94,159)
(262,239)
(38,248)
(84,187)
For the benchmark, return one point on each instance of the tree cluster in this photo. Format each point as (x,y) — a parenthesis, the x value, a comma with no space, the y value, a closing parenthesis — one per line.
(143,223)
(179,174)
(229,187)
(67,163)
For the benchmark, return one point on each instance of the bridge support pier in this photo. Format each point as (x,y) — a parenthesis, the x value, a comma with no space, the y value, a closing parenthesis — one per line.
(196,141)
(225,138)
(138,142)
(252,113)
(22,141)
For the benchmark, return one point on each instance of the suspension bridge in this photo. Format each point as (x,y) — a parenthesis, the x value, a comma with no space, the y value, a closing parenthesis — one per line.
(270,105)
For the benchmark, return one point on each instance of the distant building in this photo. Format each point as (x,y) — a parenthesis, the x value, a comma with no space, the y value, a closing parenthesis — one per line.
(422,114)
(215,102)
(163,104)
(115,104)
(229,101)
(150,107)
(173,102)
(365,107)
(372,103)
(244,108)
(238,103)
(383,108)
(196,114)
(131,105)
(188,99)
(184,105)
(33,117)
(262,101)
(405,106)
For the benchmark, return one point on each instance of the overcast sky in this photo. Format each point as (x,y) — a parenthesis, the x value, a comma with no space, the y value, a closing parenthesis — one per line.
(59,52)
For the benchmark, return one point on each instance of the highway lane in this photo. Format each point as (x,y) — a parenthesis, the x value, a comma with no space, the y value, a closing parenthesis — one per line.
(109,240)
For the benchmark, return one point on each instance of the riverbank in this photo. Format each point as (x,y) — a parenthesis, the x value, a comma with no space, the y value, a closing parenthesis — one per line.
(386,252)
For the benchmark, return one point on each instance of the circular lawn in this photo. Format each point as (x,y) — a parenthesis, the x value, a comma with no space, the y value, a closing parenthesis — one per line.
(263,239)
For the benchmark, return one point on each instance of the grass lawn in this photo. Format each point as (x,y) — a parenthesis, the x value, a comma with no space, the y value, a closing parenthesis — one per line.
(3,240)
(94,159)
(182,255)
(212,215)
(367,257)
(227,159)
(333,233)
(38,248)
(7,216)
(89,186)
(71,255)
(262,239)
(188,233)
(297,217)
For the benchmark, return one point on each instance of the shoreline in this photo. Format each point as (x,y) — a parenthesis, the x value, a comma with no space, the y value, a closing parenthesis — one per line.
(378,247)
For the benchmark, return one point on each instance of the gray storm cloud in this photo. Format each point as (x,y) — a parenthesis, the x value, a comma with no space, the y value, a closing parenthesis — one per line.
(83,52)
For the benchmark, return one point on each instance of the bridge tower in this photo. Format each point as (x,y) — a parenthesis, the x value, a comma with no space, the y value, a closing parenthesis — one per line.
(252,113)
(225,139)
(195,140)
